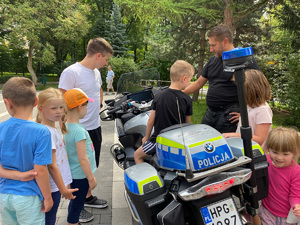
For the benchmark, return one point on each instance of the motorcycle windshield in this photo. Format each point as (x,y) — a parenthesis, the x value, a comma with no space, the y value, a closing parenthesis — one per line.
(139,80)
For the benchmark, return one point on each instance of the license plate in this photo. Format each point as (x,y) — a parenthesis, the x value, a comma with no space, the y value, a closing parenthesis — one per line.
(221,213)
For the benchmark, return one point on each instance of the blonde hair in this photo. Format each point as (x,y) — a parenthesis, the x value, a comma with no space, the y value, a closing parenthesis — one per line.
(44,97)
(20,91)
(257,88)
(181,68)
(282,139)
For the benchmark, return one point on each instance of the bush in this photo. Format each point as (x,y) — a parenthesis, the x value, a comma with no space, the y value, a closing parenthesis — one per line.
(292,95)
(119,66)
(5,78)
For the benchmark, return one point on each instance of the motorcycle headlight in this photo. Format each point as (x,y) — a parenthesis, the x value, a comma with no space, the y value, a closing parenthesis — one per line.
(215,184)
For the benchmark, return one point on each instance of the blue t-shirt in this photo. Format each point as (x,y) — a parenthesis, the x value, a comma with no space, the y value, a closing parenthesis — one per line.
(23,143)
(76,133)
(110,75)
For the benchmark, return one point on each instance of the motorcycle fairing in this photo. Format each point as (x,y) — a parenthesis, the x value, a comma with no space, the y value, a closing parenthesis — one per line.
(206,148)
(142,178)
(137,124)
(237,147)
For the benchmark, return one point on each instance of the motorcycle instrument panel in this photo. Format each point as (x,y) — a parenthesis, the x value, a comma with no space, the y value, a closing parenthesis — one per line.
(221,213)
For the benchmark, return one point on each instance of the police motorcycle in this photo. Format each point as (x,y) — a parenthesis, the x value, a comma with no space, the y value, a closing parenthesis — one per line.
(196,177)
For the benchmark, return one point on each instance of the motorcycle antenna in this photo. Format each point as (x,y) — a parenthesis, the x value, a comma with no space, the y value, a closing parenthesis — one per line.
(188,172)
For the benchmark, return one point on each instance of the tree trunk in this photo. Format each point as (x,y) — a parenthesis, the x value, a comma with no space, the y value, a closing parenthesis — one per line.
(29,64)
(202,56)
(236,40)
(228,15)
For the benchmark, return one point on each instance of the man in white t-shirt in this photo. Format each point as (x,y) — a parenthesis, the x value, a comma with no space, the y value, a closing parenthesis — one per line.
(86,76)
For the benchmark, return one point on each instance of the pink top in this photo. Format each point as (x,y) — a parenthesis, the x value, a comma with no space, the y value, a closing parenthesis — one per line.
(284,189)
(258,115)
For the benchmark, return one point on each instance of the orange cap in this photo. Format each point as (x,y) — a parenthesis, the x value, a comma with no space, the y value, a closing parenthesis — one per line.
(76,97)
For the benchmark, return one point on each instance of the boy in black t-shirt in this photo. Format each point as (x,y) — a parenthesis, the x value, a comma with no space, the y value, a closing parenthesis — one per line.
(165,104)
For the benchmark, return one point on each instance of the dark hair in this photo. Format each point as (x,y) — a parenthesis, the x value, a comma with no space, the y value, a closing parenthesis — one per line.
(98,45)
(20,91)
(221,32)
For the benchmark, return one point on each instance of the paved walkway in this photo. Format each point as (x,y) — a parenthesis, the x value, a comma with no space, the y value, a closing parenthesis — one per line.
(110,186)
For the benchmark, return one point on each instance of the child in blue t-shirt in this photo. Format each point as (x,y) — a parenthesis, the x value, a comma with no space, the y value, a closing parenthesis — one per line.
(17,175)
(24,146)
(80,152)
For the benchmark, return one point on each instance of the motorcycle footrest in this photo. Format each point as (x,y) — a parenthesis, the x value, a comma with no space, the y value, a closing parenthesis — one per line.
(156,201)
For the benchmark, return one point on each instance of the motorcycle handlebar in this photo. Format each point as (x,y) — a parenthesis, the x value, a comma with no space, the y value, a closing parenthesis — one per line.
(125,105)
(114,110)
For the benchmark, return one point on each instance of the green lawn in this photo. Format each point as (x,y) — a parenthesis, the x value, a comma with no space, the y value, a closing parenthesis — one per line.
(5,76)
(41,87)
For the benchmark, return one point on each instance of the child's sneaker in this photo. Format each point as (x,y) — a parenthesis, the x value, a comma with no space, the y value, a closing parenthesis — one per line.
(96,203)
(85,216)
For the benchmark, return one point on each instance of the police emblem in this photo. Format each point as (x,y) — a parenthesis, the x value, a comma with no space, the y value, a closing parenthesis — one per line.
(209,147)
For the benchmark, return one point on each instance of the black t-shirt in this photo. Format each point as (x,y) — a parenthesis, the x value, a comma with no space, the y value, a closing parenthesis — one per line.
(166,110)
(222,90)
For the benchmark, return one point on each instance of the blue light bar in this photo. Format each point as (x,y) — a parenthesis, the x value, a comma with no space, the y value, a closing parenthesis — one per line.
(237,53)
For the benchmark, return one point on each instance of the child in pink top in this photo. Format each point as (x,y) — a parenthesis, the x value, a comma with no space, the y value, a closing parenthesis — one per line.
(258,92)
(283,145)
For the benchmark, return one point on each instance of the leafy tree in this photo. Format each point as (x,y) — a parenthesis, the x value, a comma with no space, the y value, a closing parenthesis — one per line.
(5,59)
(100,26)
(136,35)
(281,57)
(288,14)
(99,15)
(178,28)
(38,22)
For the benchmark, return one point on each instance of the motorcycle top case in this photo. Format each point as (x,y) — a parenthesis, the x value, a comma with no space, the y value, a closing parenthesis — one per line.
(142,179)
(205,148)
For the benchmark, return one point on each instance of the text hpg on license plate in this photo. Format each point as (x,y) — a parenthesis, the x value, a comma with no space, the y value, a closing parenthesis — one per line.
(221,213)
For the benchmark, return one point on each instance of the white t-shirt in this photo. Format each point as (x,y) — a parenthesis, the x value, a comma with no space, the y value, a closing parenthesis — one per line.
(61,158)
(78,76)
(258,115)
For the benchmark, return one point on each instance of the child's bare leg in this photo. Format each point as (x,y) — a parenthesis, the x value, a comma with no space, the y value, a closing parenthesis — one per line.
(139,155)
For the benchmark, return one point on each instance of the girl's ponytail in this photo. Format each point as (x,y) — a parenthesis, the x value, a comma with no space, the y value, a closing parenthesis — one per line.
(38,118)
(62,124)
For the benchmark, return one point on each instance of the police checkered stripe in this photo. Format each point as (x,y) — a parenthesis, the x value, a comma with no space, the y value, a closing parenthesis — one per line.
(172,150)
(170,157)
